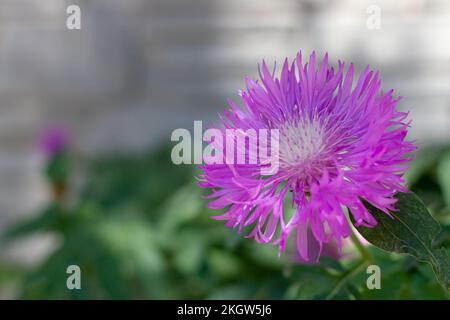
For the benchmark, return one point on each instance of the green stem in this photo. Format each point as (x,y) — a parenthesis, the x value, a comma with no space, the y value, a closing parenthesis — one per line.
(365,254)
(367,259)
(346,278)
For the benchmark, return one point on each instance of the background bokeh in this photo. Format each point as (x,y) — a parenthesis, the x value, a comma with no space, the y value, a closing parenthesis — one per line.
(137,70)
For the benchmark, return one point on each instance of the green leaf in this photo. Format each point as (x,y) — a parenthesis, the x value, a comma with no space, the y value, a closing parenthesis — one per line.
(185,205)
(232,292)
(313,282)
(443,177)
(52,218)
(412,230)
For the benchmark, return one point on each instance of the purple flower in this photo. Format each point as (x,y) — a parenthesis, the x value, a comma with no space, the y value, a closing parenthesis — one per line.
(315,250)
(339,143)
(54,139)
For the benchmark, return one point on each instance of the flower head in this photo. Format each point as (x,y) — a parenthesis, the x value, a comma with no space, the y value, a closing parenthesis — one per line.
(341,141)
(53,139)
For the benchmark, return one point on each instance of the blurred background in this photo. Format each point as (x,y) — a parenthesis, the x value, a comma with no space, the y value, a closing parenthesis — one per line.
(85,123)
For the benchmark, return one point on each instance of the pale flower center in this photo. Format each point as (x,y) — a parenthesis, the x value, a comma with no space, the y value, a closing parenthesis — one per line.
(301,143)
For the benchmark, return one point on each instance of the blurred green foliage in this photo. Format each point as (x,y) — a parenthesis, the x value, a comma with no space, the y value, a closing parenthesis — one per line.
(139,229)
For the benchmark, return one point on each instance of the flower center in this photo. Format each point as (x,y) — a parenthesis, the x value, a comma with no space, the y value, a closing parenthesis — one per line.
(302,143)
